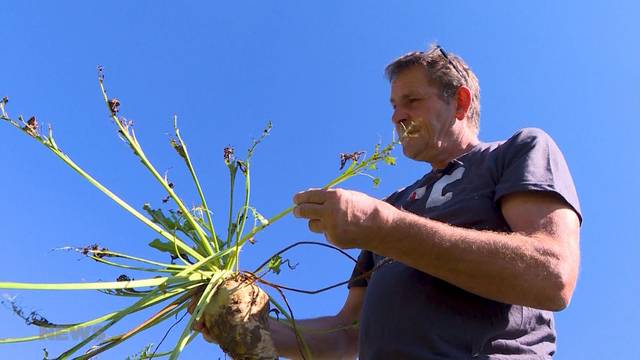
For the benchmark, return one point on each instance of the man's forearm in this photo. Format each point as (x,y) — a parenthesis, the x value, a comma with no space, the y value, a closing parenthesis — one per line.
(508,267)
(326,337)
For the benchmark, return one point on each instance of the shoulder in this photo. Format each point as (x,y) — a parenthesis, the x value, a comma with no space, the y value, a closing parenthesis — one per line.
(530,160)
(528,144)
(527,137)
(521,141)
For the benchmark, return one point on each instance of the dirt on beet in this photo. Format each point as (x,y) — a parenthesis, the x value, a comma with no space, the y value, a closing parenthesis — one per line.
(237,318)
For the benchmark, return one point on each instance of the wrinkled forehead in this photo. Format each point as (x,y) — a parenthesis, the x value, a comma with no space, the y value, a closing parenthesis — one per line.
(411,82)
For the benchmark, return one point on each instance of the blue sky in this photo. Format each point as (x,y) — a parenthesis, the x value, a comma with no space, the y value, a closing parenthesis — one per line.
(316,71)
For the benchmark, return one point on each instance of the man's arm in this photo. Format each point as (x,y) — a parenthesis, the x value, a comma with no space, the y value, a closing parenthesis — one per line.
(535,266)
(331,337)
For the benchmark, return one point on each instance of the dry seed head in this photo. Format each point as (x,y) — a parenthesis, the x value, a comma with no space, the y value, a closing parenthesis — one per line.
(93,250)
(3,102)
(100,73)
(228,155)
(125,123)
(344,157)
(178,148)
(124,277)
(114,105)
(32,126)
(243,166)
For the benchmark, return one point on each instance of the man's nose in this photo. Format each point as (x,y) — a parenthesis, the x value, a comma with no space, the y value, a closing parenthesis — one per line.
(399,116)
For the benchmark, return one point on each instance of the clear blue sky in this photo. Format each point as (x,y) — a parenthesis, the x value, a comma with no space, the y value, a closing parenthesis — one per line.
(569,67)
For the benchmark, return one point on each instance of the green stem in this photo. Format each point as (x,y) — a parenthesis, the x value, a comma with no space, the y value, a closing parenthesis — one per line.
(351,171)
(343,177)
(172,309)
(197,183)
(142,260)
(152,298)
(67,160)
(206,296)
(84,286)
(243,217)
(128,267)
(269,222)
(292,323)
(230,229)
(137,149)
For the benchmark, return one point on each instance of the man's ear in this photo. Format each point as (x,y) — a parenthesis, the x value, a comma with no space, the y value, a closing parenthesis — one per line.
(463,102)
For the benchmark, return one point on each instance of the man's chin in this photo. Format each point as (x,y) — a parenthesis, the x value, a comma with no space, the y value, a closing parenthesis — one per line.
(409,152)
(414,153)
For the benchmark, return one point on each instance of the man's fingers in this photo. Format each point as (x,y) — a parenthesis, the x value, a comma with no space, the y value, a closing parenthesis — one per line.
(192,305)
(198,326)
(315,196)
(308,211)
(316,226)
(207,338)
(195,297)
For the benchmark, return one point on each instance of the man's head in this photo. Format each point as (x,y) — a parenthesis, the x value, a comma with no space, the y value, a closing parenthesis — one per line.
(437,97)
(444,70)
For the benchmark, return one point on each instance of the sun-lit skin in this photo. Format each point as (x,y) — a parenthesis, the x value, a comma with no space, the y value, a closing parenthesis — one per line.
(435,130)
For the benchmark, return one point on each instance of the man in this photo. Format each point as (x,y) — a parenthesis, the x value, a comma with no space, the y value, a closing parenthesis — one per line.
(470,260)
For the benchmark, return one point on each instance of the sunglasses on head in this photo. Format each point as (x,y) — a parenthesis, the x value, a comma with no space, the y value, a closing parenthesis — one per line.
(453,65)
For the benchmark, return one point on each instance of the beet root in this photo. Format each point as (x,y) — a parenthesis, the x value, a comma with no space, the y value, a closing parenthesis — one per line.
(237,318)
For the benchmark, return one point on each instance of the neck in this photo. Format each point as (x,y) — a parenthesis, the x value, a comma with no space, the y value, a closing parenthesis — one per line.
(455,149)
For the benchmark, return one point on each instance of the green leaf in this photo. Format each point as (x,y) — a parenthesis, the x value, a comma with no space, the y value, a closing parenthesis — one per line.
(158,217)
(274,264)
(376,152)
(168,247)
(145,353)
(373,166)
(376,181)
(390,160)
(163,246)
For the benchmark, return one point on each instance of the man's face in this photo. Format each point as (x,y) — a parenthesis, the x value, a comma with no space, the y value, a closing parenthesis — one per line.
(418,107)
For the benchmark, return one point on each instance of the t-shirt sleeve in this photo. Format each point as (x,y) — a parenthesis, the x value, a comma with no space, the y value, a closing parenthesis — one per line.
(531,161)
(364,264)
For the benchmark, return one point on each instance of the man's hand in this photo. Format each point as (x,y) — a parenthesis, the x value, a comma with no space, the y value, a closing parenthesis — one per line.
(348,219)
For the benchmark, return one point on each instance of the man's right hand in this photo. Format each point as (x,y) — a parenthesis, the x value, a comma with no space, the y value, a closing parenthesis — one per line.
(331,337)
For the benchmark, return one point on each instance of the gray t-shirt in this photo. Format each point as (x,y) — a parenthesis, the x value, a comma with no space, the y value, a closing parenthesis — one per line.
(408,314)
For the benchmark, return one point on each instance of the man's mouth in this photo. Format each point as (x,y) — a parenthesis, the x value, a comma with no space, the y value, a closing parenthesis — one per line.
(407,129)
